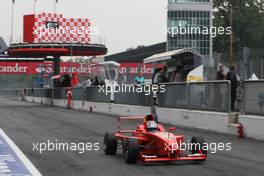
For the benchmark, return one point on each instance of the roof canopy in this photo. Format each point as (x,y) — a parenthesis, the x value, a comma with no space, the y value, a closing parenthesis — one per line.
(168,55)
(40,50)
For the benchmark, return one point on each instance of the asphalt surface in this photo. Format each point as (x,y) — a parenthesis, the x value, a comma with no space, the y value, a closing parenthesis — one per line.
(27,123)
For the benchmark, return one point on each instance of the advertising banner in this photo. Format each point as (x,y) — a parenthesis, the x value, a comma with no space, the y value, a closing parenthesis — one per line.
(67,68)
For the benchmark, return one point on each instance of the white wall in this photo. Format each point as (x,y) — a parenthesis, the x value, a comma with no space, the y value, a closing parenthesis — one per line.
(253,126)
(207,120)
(214,121)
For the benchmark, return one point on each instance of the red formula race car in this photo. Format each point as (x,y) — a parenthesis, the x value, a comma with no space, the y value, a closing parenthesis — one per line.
(150,142)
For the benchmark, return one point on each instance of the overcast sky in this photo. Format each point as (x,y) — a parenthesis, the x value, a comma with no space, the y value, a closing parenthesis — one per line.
(123,23)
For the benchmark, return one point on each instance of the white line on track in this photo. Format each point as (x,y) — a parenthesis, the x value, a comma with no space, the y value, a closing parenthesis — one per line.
(32,169)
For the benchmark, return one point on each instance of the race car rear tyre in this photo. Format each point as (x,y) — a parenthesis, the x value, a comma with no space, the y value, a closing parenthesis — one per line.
(131,151)
(110,144)
(198,144)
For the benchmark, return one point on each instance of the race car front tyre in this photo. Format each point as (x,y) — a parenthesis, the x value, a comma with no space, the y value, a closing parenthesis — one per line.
(110,144)
(198,144)
(131,151)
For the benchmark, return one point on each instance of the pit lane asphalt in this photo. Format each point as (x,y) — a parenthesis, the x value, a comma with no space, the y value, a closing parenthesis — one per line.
(26,123)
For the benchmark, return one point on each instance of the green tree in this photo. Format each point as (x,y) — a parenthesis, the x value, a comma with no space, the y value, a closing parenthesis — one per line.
(248,23)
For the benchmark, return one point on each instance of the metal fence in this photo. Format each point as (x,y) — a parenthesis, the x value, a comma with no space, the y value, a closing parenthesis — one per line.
(93,94)
(253,97)
(175,96)
(12,93)
(45,93)
(58,93)
(213,96)
(133,97)
(29,92)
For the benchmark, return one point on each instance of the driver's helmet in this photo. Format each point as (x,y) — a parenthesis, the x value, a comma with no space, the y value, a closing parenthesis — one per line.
(151,126)
(148,118)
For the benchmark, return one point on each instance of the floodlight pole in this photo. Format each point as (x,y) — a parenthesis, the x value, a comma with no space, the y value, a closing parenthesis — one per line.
(56,68)
(12,22)
(34,6)
(231,36)
(55,5)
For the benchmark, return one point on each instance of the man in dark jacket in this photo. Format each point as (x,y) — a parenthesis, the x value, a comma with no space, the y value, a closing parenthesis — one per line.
(220,75)
(231,76)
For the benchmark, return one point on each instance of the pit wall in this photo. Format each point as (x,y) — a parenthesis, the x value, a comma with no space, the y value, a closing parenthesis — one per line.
(206,120)
(253,126)
(210,99)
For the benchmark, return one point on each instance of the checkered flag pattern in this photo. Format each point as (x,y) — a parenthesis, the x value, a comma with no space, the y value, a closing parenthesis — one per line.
(69,30)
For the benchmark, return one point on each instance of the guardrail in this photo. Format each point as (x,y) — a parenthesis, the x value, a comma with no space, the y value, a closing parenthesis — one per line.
(213,96)
(134,98)
(45,93)
(253,97)
(92,94)
(12,93)
(81,94)
(176,96)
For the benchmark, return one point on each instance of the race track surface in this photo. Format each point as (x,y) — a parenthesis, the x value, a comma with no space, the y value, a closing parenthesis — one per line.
(27,123)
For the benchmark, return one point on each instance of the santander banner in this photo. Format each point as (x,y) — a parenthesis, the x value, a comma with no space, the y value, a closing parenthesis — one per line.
(66,68)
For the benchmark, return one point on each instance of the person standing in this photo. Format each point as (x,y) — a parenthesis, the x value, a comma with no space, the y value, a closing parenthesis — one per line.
(75,80)
(66,82)
(232,77)
(156,76)
(163,76)
(177,75)
(220,75)
(139,80)
(87,82)
(95,81)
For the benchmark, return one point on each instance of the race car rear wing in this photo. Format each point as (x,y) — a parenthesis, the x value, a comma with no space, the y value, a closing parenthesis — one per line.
(119,119)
